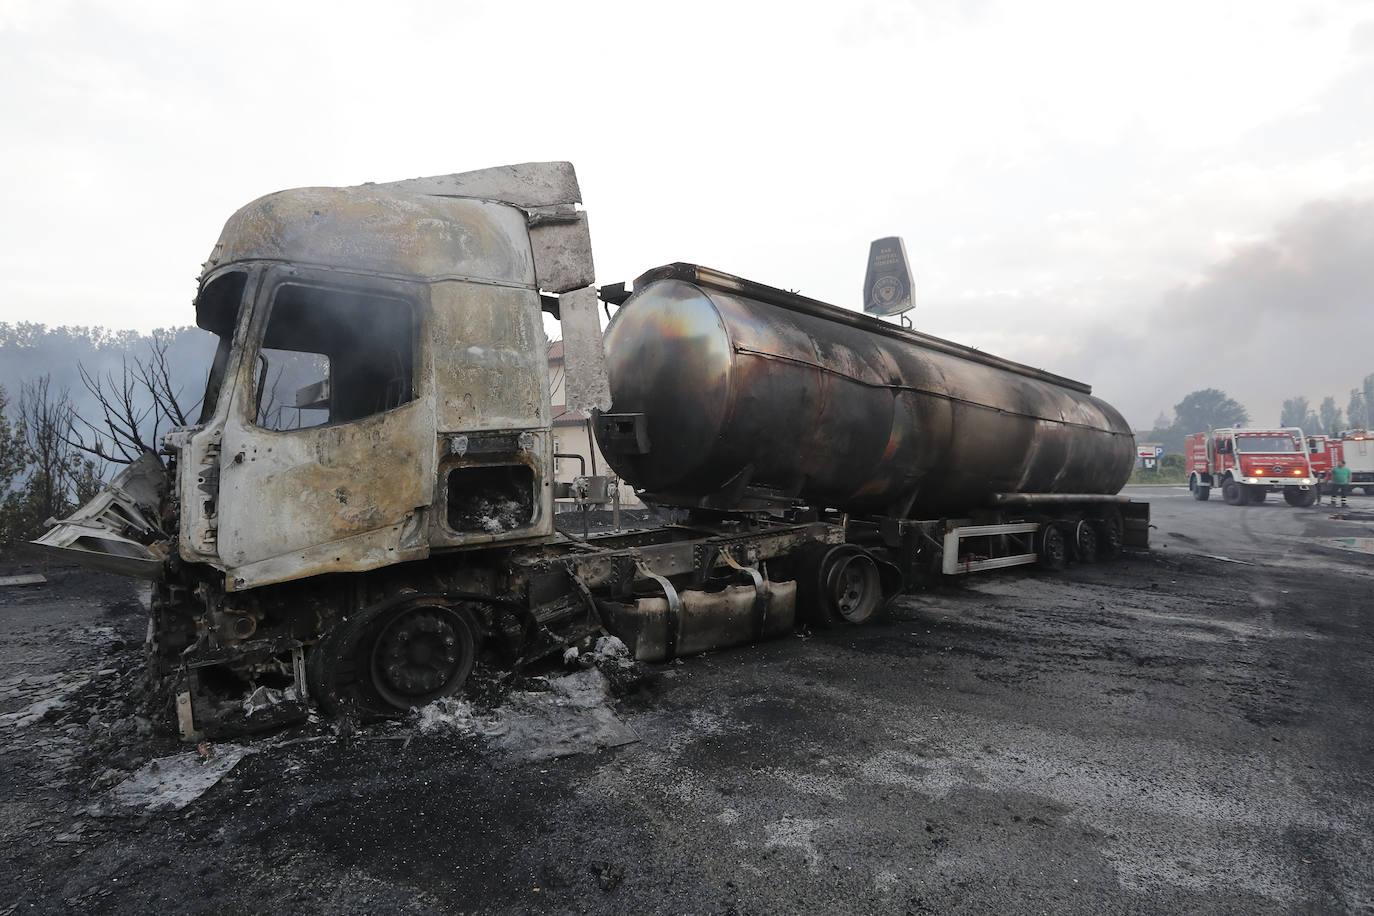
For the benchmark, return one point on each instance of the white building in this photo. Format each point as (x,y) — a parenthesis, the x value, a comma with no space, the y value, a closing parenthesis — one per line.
(572,434)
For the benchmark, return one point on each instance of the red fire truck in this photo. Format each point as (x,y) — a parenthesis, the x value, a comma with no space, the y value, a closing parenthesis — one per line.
(1323,452)
(1353,446)
(1248,463)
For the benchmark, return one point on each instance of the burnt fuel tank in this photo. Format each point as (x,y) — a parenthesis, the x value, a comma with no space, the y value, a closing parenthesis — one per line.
(749,396)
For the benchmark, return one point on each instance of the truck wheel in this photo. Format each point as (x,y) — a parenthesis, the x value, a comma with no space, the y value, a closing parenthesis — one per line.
(1200,490)
(852,590)
(396,655)
(1232,493)
(1051,547)
(1085,542)
(839,585)
(420,654)
(1255,495)
(1300,498)
(1111,535)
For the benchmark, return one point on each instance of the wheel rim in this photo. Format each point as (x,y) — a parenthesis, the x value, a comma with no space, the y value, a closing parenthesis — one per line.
(854,588)
(421,654)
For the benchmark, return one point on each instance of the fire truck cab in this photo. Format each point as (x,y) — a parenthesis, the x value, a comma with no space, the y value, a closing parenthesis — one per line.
(1249,463)
(1356,448)
(1323,452)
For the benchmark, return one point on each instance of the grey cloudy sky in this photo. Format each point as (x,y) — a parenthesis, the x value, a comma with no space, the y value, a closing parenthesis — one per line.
(1153,198)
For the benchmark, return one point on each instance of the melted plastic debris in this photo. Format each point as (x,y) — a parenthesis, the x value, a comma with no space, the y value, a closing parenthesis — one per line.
(572,717)
(492,514)
(172,783)
(451,714)
(611,649)
(504,516)
(268,697)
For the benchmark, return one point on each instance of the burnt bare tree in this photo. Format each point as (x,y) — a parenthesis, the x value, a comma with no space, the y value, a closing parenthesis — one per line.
(133,408)
(45,422)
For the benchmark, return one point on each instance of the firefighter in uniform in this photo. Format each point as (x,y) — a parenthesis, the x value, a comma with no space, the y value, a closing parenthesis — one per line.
(1340,483)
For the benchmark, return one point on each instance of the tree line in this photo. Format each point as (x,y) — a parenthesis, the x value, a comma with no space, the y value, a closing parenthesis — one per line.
(1327,417)
(58,442)
(42,476)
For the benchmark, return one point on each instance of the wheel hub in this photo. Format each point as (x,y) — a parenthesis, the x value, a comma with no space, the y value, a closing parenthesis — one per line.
(418,653)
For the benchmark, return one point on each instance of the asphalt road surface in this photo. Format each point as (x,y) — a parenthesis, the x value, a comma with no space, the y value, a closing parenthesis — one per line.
(1181,731)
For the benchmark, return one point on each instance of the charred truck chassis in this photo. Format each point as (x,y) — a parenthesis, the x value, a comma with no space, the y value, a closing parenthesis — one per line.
(380,642)
(376,644)
(364,508)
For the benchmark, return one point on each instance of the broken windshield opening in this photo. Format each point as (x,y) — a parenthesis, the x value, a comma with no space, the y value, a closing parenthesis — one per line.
(331,355)
(217,310)
(1255,444)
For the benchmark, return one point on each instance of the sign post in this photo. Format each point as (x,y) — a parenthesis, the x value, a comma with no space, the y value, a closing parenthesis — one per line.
(1149,453)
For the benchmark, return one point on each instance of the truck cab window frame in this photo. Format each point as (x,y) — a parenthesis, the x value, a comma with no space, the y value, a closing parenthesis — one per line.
(218,306)
(332,353)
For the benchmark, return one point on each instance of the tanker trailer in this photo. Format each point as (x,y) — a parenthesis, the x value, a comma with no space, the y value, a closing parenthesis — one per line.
(729,395)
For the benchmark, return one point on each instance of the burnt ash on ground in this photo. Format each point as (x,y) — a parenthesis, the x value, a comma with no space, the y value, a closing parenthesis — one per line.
(1184,731)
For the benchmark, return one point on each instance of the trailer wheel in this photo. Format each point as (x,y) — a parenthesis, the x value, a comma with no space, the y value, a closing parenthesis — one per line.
(840,585)
(393,656)
(1051,547)
(1111,535)
(1200,490)
(1300,498)
(1232,493)
(1085,542)
(1255,495)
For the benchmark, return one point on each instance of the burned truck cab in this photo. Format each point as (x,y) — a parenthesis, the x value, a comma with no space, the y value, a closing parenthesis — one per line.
(379,395)
(375,396)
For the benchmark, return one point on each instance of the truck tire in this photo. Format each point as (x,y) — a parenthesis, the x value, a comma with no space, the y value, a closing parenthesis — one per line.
(1232,493)
(1300,498)
(1111,535)
(1199,489)
(396,655)
(1049,544)
(1085,542)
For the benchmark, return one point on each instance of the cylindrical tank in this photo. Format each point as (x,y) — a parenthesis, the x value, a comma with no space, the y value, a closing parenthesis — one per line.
(750,394)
